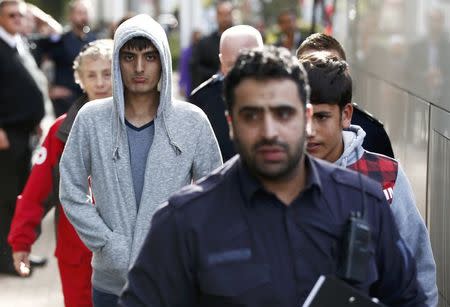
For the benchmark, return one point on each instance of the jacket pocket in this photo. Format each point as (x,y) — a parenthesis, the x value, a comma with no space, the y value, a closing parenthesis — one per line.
(114,256)
(234,280)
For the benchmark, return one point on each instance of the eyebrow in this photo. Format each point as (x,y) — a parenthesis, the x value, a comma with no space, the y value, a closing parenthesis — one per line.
(322,113)
(256,108)
(134,51)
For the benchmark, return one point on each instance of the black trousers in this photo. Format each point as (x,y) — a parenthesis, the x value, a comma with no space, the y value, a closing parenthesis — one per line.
(14,171)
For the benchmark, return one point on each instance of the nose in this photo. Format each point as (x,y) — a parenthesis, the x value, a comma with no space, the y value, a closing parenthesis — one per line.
(140,64)
(311,128)
(99,82)
(270,129)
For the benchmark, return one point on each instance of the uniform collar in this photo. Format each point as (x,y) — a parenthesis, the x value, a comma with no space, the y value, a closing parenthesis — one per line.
(250,185)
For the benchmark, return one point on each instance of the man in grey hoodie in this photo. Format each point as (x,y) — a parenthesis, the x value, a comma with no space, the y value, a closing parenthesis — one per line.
(332,138)
(137,147)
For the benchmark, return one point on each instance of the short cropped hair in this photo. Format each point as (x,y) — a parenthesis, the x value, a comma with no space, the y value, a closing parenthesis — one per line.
(137,43)
(101,48)
(321,42)
(265,63)
(329,79)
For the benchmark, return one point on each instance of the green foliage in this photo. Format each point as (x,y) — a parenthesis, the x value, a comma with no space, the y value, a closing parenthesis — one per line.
(175,48)
(56,8)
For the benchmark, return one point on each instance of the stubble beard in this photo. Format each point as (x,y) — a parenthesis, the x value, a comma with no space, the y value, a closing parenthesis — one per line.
(285,171)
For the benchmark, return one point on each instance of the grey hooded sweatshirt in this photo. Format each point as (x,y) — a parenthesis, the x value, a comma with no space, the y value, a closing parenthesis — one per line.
(407,217)
(184,148)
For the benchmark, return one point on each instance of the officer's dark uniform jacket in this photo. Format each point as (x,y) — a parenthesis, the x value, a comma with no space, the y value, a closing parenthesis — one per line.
(208,96)
(226,241)
(376,140)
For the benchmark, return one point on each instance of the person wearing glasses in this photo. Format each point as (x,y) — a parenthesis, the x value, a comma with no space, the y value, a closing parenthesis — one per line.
(22,108)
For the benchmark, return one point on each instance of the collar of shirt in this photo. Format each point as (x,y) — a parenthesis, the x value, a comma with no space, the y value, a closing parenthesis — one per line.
(250,184)
(11,40)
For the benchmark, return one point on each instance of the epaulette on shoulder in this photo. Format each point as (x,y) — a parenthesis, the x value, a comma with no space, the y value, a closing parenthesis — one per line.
(368,115)
(206,184)
(354,179)
(214,79)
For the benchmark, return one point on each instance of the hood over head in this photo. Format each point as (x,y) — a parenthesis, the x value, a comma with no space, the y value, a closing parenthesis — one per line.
(142,26)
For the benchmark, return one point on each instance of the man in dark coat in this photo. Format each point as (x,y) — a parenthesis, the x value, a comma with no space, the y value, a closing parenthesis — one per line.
(21,110)
(205,62)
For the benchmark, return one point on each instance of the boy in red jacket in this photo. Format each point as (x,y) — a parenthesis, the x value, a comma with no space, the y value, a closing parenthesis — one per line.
(92,69)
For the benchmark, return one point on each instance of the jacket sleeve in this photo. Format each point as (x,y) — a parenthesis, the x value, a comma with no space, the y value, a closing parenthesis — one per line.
(75,168)
(207,153)
(414,232)
(397,284)
(162,274)
(30,204)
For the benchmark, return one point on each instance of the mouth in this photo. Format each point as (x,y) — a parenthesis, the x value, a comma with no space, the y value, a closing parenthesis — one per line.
(312,146)
(102,94)
(271,153)
(139,80)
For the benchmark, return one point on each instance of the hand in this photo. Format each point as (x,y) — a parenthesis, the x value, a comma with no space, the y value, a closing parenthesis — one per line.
(4,142)
(22,263)
(46,23)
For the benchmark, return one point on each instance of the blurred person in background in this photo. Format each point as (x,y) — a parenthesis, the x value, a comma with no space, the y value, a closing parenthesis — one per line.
(21,110)
(290,36)
(205,62)
(62,49)
(36,23)
(92,69)
(428,68)
(185,81)
(209,97)
(377,139)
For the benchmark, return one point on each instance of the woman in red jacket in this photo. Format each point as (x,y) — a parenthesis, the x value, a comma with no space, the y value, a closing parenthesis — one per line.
(92,69)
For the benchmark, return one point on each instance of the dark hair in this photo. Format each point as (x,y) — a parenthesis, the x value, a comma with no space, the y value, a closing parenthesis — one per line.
(329,79)
(220,2)
(320,42)
(286,11)
(137,43)
(266,63)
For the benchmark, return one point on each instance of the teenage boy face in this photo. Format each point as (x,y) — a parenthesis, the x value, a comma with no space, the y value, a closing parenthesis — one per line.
(268,127)
(141,70)
(325,136)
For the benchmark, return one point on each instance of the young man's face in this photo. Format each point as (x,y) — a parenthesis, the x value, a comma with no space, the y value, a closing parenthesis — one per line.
(325,138)
(11,18)
(141,70)
(268,127)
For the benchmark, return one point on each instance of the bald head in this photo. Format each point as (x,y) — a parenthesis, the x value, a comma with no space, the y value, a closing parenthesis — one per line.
(235,39)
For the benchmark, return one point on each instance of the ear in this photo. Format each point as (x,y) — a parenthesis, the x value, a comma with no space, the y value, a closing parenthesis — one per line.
(347,113)
(230,124)
(222,68)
